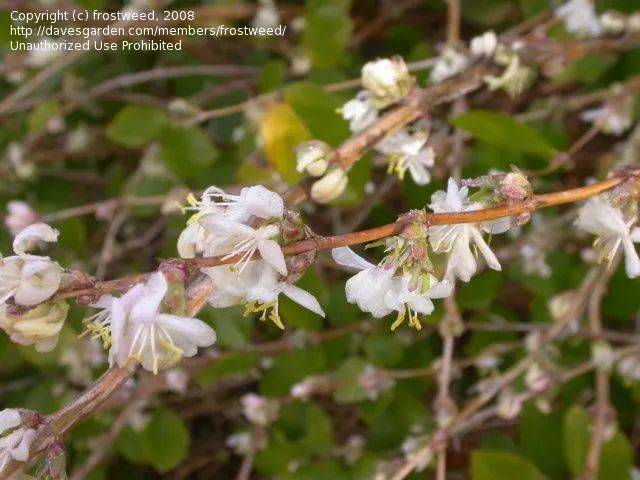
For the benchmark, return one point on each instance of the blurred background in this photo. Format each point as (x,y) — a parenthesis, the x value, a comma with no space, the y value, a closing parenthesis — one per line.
(104,145)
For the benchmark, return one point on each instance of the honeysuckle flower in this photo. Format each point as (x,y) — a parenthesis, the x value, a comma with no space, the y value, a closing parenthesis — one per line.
(313,157)
(535,378)
(484,45)
(409,152)
(39,326)
(177,380)
(456,239)
(388,79)
(140,331)
(19,216)
(256,201)
(449,63)
(369,287)
(230,238)
(330,186)
(610,119)
(360,112)
(15,438)
(579,17)
(516,76)
(413,300)
(29,279)
(259,410)
(258,286)
(613,230)
(602,355)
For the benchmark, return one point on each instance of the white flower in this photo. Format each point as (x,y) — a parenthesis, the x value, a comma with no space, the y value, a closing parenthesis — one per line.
(610,119)
(360,112)
(484,45)
(258,286)
(579,17)
(535,378)
(256,201)
(29,279)
(140,331)
(312,157)
(516,76)
(456,239)
(449,63)
(19,216)
(608,223)
(330,186)
(387,79)
(409,152)
(259,410)
(413,300)
(39,326)
(307,387)
(230,238)
(633,23)
(15,438)
(369,287)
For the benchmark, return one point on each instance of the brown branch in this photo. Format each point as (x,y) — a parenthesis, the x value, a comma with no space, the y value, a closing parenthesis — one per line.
(536,202)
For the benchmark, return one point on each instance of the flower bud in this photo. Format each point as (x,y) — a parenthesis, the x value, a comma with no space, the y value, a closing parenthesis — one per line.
(19,216)
(613,22)
(509,405)
(536,379)
(484,45)
(313,157)
(387,79)
(330,186)
(602,355)
(40,325)
(514,186)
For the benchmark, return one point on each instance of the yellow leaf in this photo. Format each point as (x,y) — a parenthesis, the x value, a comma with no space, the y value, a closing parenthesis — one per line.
(281,131)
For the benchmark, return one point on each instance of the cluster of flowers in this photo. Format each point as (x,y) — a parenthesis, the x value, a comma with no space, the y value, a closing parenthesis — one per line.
(386,81)
(26,283)
(236,227)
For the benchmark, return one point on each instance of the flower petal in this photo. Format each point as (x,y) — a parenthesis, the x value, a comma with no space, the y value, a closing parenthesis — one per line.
(272,254)
(36,232)
(631,259)
(9,418)
(304,298)
(196,331)
(147,307)
(346,257)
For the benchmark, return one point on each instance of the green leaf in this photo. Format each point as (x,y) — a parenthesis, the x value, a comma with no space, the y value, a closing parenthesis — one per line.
(384,349)
(494,465)
(327,50)
(348,389)
(616,457)
(318,110)
(503,131)
(290,368)
(575,435)
(136,125)
(541,438)
(281,131)
(187,151)
(167,440)
(231,364)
